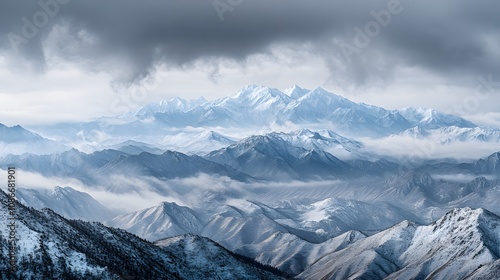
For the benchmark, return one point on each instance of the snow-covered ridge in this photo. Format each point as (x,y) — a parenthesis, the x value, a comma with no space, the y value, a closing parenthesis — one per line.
(174,104)
(258,105)
(200,126)
(50,246)
(453,247)
(67,202)
(16,140)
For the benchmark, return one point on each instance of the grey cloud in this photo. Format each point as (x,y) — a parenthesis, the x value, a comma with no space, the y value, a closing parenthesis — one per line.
(449,38)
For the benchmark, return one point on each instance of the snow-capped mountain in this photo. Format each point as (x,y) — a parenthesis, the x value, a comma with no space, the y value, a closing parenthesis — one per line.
(161,221)
(451,134)
(296,92)
(16,140)
(302,155)
(134,148)
(293,254)
(278,236)
(489,165)
(261,110)
(243,223)
(308,181)
(72,163)
(322,140)
(486,166)
(90,168)
(255,105)
(50,246)
(431,119)
(413,188)
(195,143)
(203,255)
(169,165)
(271,157)
(318,105)
(174,104)
(453,247)
(67,202)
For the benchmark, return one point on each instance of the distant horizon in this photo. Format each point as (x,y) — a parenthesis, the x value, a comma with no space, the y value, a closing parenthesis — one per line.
(35,124)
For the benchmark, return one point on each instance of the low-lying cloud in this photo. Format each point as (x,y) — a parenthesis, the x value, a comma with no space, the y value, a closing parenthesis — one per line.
(408,148)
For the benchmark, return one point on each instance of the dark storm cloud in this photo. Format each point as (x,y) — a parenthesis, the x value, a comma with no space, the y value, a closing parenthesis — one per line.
(451,38)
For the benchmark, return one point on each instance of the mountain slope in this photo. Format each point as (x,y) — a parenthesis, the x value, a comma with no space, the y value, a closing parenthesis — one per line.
(252,105)
(270,157)
(196,143)
(174,104)
(242,224)
(170,165)
(254,109)
(489,165)
(259,105)
(451,248)
(72,163)
(430,119)
(202,254)
(324,140)
(90,168)
(16,140)
(163,220)
(67,202)
(134,148)
(293,254)
(50,246)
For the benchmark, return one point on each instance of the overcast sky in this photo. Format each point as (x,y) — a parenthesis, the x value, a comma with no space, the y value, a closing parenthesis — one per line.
(71,60)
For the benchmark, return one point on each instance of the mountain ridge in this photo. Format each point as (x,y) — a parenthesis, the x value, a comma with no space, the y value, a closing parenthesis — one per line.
(454,246)
(50,246)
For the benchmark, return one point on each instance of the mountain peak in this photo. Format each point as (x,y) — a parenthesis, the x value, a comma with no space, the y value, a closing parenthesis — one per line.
(295,91)
(17,133)
(257,92)
(328,98)
(59,189)
(215,136)
(494,156)
(308,134)
(252,104)
(200,99)
(173,104)
(430,118)
(467,216)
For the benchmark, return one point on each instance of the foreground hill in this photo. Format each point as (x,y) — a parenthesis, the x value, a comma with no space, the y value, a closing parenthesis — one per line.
(52,247)
(464,243)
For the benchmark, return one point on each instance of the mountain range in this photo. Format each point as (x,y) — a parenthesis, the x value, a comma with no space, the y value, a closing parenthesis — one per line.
(67,202)
(463,244)
(17,140)
(52,247)
(455,246)
(200,126)
(258,105)
(261,184)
